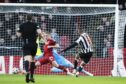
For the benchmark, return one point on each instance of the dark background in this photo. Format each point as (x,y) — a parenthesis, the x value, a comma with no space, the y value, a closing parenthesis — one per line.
(64,1)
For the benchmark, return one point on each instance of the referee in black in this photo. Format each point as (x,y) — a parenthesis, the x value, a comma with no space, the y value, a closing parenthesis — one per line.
(29,32)
(86,52)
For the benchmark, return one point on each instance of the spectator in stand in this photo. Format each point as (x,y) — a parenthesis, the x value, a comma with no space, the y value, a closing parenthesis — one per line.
(51,22)
(100,36)
(1,41)
(55,35)
(122,4)
(109,29)
(107,45)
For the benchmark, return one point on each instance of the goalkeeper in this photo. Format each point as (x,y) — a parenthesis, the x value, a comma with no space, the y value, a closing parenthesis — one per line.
(85,44)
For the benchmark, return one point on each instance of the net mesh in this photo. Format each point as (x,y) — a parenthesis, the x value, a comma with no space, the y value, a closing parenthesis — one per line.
(63,22)
(122,22)
(121,38)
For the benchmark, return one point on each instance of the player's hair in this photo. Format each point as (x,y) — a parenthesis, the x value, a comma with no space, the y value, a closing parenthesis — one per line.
(29,17)
(81,30)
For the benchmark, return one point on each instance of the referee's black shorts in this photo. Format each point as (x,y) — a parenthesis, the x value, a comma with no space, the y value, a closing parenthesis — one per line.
(30,49)
(86,56)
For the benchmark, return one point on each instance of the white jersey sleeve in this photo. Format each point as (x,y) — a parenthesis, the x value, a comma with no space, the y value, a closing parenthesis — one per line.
(78,40)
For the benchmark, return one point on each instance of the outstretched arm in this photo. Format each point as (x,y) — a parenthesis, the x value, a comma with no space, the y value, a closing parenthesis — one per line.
(71,46)
(43,36)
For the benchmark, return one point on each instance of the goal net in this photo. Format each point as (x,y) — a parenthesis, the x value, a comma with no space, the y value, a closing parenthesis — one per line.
(62,21)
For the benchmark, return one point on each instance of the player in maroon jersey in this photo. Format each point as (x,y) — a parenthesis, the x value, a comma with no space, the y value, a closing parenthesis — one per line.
(48,57)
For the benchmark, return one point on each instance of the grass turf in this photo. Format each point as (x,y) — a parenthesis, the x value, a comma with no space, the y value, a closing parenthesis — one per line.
(59,79)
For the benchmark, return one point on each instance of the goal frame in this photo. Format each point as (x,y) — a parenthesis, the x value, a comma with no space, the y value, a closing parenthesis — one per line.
(115,51)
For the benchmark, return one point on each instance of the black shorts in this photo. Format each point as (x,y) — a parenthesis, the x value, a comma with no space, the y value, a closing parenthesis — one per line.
(86,56)
(30,49)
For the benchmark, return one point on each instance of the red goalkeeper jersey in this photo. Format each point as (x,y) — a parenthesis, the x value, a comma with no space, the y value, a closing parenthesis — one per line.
(48,51)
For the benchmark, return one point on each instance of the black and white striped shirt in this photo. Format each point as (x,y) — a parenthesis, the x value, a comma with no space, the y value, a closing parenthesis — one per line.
(85,43)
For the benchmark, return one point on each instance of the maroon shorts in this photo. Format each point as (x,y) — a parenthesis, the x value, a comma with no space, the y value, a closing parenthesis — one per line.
(47,59)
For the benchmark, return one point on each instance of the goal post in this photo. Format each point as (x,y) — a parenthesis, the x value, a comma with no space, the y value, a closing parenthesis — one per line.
(62,20)
(115,52)
(121,58)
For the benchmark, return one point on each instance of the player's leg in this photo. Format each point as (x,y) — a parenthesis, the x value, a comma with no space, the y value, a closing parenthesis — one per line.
(42,61)
(81,56)
(85,59)
(82,64)
(27,60)
(75,64)
(32,64)
(32,68)
(55,64)
(49,60)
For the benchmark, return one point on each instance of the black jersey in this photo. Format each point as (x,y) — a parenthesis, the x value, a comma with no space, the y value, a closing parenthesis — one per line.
(28,31)
(85,43)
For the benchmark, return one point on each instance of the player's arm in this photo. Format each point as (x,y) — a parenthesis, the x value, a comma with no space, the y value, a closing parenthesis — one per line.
(43,36)
(71,46)
(39,32)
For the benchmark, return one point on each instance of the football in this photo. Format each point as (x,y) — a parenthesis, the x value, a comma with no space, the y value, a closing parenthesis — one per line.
(15,70)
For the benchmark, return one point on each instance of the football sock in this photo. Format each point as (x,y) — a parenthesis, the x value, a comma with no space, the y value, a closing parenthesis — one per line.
(80,69)
(75,64)
(26,63)
(32,68)
(26,66)
(62,68)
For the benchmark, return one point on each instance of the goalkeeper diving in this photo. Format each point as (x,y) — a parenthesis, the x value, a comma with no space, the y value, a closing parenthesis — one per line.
(48,56)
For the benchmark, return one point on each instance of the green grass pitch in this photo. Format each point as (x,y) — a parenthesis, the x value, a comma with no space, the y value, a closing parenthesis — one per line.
(62,79)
